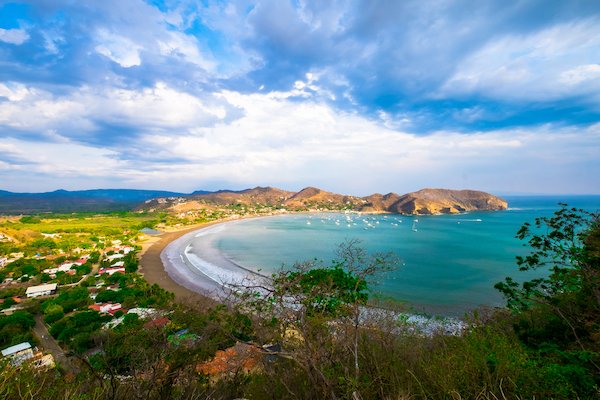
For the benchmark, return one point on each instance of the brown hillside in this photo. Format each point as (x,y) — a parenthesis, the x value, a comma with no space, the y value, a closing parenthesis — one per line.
(446,201)
(258,195)
(425,201)
(314,197)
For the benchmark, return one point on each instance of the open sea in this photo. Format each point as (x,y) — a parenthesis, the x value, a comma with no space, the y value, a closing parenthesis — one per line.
(448,263)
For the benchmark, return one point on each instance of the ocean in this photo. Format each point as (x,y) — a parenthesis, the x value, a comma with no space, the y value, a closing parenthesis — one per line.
(448,264)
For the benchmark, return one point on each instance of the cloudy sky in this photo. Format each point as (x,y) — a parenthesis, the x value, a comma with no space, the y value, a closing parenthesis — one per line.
(351,96)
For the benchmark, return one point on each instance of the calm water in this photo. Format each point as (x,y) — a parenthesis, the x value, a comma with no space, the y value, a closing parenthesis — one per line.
(449,264)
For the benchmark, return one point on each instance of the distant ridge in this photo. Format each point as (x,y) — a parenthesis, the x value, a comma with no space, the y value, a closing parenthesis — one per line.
(422,202)
(95,200)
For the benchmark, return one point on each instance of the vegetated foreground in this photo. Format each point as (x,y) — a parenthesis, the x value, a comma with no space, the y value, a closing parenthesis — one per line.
(306,336)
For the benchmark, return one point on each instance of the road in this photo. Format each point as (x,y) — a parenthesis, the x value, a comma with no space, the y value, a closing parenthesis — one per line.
(48,344)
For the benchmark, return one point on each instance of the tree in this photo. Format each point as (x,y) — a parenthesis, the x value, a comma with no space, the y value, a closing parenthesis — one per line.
(317,310)
(559,312)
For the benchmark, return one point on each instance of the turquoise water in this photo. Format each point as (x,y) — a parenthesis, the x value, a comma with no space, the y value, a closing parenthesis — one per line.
(449,264)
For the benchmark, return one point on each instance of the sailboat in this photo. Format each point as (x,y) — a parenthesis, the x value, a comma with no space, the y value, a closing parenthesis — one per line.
(414,226)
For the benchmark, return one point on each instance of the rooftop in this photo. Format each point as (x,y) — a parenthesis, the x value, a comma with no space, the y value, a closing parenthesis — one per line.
(41,288)
(16,348)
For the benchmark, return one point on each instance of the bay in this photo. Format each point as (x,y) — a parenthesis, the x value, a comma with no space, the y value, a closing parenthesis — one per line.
(448,263)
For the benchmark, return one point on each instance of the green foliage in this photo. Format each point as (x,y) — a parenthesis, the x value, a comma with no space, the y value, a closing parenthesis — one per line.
(70,299)
(324,290)
(53,312)
(30,219)
(131,262)
(558,316)
(94,257)
(15,328)
(76,330)
(8,302)
(557,245)
(43,245)
(134,292)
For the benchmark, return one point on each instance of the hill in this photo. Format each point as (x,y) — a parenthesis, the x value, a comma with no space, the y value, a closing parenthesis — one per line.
(97,200)
(422,202)
(258,199)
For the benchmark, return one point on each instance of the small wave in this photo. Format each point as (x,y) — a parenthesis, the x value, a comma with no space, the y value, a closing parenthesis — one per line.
(211,230)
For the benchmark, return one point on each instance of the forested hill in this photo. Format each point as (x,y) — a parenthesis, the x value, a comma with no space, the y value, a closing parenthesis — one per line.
(98,200)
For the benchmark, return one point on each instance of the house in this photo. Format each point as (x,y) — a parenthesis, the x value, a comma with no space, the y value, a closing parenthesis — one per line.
(106,308)
(115,256)
(22,352)
(41,290)
(118,264)
(141,313)
(64,267)
(144,312)
(19,353)
(40,360)
(111,271)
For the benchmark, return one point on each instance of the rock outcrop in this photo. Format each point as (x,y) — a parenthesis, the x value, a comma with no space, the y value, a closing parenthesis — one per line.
(445,201)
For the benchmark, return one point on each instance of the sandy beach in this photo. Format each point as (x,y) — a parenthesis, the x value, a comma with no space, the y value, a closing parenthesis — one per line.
(154,271)
(164,261)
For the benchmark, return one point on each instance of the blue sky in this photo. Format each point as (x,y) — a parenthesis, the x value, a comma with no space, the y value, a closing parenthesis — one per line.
(352,96)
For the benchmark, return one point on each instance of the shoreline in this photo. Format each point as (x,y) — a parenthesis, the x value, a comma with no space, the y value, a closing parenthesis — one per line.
(155,262)
(171,269)
(153,269)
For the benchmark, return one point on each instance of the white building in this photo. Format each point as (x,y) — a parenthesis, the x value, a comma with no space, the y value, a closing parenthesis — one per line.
(64,267)
(111,271)
(18,353)
(115,256)
(41,290)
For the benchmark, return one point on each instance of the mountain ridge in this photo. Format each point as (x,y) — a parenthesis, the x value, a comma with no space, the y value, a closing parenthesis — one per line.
(422,202)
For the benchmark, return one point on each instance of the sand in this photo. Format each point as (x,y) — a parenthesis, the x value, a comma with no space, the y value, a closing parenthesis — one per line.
(153,270)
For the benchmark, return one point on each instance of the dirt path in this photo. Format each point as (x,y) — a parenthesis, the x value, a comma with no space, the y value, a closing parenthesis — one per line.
(51,346)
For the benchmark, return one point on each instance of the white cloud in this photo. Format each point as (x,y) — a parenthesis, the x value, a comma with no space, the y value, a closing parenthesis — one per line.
(60,160)
(541,66)
(179,45)
(13,36)
(183,141)
(119,49)
(281,142)
(582,73)
(14,91)
(158,107)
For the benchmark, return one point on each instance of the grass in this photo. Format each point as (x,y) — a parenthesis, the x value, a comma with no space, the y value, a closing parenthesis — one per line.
(74,223)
